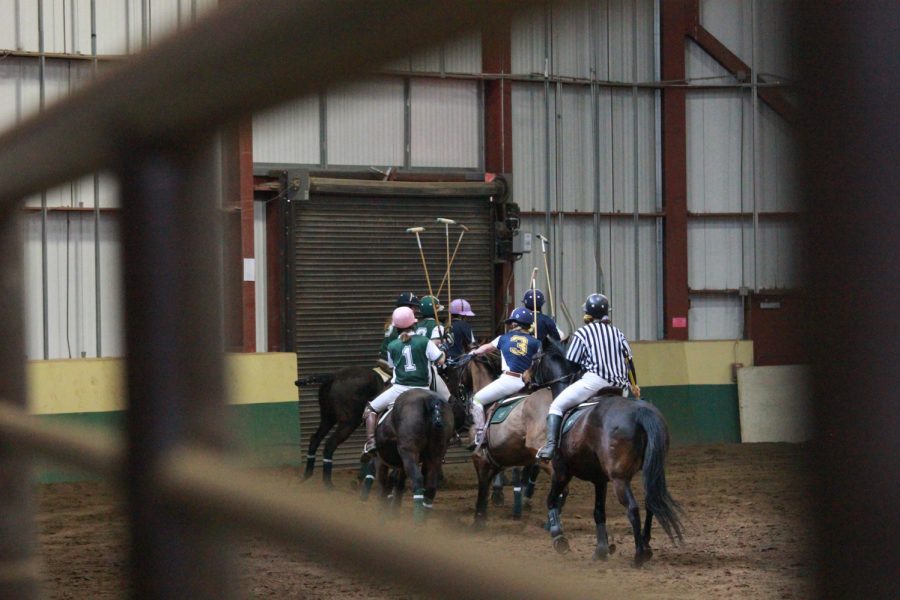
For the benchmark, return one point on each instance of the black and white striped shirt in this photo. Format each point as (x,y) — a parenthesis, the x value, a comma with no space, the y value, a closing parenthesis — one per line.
(602,349)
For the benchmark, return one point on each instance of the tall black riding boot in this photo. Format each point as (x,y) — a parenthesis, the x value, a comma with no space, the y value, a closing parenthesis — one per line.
(554,423)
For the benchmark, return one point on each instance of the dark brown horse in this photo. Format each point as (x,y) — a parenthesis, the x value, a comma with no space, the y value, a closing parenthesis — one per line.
(413,439)
(342,398)
(610,442)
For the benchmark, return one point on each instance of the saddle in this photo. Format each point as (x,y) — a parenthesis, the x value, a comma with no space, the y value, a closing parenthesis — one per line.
(501,409)
(383,369)
(573,414)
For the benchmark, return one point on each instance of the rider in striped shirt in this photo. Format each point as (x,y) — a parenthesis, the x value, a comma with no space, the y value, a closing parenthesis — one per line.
(604,353)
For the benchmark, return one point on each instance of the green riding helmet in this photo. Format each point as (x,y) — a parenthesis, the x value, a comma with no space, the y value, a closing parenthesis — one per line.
(429,306)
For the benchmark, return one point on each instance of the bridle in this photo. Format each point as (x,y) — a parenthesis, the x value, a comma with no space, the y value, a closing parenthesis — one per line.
(535,369)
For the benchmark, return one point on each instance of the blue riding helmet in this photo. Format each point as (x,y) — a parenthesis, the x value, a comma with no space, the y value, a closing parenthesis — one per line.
(529,297)
(522,316)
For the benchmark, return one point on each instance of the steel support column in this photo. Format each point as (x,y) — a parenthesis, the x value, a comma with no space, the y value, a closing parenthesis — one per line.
(19,566)
(676,302)
(175,383)
(248,288)
(496,57)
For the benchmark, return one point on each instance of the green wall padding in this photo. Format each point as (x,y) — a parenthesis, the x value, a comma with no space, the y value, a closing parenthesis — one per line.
(698,414)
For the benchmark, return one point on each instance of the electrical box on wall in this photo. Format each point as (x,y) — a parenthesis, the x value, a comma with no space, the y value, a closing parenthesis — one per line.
(521,243)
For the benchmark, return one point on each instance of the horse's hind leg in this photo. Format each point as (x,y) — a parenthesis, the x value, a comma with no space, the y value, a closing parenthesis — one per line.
(411,466)
(334,440)
(626,497)
(368,471)
(325,425)
(517,493)
(603,549)
(558,483)
(648,521)
(431,473)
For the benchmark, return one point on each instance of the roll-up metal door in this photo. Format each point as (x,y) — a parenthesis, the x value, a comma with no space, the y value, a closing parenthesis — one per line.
(352,257)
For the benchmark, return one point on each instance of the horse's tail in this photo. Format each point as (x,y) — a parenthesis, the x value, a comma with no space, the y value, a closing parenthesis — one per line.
(434,407)
(657,497)
(319,378)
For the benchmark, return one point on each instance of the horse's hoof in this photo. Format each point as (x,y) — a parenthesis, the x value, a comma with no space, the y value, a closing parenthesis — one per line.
(497,499)
(612,548)
(601,553)
(479,524)
(641,559)
(561,544)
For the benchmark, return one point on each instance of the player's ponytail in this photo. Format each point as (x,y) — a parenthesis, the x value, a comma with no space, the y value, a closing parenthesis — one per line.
(406,334)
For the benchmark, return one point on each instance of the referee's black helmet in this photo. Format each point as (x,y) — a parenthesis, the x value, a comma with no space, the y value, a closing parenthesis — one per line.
(597,306)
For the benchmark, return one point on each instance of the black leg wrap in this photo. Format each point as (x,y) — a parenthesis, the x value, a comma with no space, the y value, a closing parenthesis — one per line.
(310,466)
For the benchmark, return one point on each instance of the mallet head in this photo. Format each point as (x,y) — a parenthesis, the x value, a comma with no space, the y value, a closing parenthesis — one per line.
(415,229)
(543,239)
(446,221)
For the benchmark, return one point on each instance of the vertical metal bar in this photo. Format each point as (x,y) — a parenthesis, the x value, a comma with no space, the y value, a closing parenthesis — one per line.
(19,563)
(145,24)
(17,15)
(97,288)
(637,182)
(175,346)
(558,256)
(547,122)
(407,123)
(612,153)
(595,143)
(45,300)
(849,124)
(754,167)
(323,128)
(480,160)
(657,96)
(127,26)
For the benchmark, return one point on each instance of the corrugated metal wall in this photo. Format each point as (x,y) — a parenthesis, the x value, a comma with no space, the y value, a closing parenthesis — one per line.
(587,166)
(585,151)
(390,120)
(740,160)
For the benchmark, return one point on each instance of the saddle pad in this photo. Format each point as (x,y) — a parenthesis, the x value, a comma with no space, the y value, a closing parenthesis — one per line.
(575,414)
(504,407)
(384,376)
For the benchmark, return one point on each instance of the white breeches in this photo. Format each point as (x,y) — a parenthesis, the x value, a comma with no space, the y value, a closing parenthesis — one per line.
(440,388)
(386,398)
(503,386)
(578,392)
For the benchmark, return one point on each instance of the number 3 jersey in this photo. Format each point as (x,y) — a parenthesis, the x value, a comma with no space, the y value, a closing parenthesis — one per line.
(411,360)
(516,350)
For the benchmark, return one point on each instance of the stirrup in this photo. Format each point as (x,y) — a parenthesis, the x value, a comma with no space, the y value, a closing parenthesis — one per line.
(477,442)
(546,452)
(369,448)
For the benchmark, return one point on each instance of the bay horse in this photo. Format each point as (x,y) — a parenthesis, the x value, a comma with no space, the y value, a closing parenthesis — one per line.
(512,443)
(413,439)
(609,442)
(342,398)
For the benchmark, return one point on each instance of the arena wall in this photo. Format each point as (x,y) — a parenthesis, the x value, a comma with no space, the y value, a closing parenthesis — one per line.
(691,382)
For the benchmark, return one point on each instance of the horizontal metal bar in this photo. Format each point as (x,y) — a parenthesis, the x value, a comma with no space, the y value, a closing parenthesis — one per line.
(588,214)
(322,185)
(326,525)
(219,69)
(84,447)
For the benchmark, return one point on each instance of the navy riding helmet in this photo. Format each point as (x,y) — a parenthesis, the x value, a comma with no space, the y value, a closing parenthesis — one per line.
(522,316)
(529,299)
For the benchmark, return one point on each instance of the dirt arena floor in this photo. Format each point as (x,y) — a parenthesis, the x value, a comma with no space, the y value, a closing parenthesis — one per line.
(747,534)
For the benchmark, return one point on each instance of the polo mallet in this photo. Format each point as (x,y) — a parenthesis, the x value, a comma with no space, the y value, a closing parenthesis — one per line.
(534,299)
(417,231)
(544,242)
(453,257)
(447,223)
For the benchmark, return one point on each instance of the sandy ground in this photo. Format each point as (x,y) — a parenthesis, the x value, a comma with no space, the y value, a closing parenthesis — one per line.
(747,534)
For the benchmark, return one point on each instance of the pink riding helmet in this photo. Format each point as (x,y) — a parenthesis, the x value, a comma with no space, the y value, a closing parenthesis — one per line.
(403,317)
(461,307)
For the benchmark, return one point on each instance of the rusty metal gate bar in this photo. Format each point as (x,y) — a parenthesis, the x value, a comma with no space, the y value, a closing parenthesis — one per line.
(149,121)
